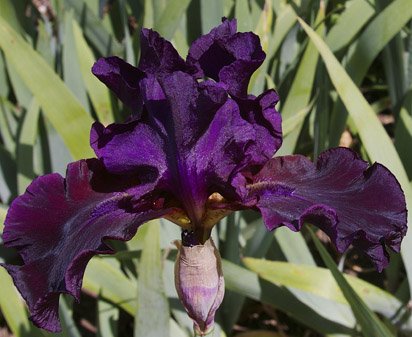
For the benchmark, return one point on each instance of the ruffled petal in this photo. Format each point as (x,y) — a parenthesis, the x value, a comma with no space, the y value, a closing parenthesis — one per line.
(130,148)
(189,138)
(158,55)
(351,202)
(227,57)
(261,113)
(251,127)
(59,224)
(191,106)
(122,78)
(207,46)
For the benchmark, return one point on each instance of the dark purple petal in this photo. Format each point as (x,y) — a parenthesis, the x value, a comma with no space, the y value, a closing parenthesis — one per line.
(131,148)
(266,120)
(191,107)
(122,78)
(158,55)
(207,46)
(192,138)
(59,224)
(351,202)
(227,57)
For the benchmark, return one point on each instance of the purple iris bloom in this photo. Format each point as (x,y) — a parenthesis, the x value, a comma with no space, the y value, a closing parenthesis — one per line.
(196,148)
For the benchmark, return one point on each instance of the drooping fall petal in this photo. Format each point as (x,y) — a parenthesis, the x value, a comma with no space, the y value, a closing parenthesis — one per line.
(351,202)
(59,224)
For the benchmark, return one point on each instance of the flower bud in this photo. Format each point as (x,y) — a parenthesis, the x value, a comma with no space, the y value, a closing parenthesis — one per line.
(199,283)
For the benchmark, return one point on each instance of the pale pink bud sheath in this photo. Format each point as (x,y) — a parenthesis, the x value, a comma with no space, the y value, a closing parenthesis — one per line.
(199,283)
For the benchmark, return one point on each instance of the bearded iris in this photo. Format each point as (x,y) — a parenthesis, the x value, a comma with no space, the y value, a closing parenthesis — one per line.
(196,148)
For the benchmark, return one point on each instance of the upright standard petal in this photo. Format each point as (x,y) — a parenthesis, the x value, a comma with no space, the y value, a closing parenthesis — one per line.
(122,78)
(351,202)
(158,55)
(267,122)
(59,224)
(191,134)
(227,57)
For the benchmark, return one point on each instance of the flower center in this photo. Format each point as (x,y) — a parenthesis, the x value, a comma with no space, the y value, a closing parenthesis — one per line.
(215,209)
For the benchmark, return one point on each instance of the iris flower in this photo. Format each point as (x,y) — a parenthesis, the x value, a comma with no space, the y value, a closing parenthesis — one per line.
(196,148)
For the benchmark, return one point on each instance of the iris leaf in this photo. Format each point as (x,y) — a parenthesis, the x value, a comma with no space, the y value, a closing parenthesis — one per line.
(320,282)
(211,14)
(71,67)
(108,318)
(4,87)
(376,36)
(258,333)
(403,139)
(294,246)
(370,324)
(170,18)
(69,328)
(296,251)
(264,30)
(23,94)
(242,14)
(232,303)
(152,316)
(25,146)
(5,128)
(8,12)
(94,29)
(104,279)
(366,48)
(300,91)
(3,212)
(8,176)
(98,93)
(248,283)
(349,23)
(59,105)
(295,121)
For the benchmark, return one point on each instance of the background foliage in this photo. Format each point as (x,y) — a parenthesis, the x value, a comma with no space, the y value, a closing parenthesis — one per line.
(345,81)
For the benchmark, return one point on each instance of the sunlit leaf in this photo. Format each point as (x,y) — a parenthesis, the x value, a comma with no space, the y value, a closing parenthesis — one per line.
(320,282)
(300,92)
(3,212)
(349,23)
(247,283)
(71,65)
(370,324)
(27,138)
(170,18)
(65,113)
(102,278)
(152,316)
(98,93)
(366,48)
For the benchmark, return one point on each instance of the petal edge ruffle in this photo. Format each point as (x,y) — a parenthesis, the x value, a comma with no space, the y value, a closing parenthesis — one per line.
(351,202)
(57,226)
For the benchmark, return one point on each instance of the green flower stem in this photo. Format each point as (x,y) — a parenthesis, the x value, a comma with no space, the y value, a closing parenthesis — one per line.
(209,334)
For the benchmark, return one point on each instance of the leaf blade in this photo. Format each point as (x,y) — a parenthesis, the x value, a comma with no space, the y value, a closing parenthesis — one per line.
(62,109)
(152,316)
(369,322)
